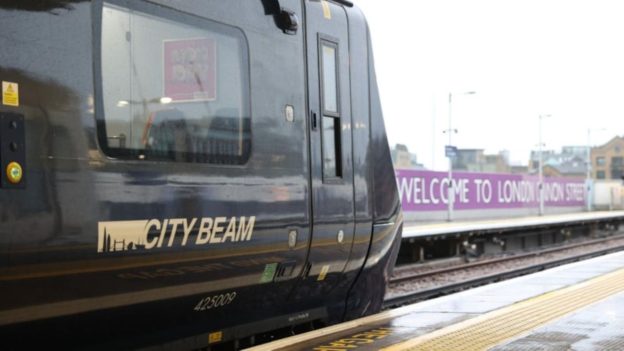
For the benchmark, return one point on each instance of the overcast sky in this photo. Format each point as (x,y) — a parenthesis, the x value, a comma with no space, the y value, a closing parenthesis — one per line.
(523,58)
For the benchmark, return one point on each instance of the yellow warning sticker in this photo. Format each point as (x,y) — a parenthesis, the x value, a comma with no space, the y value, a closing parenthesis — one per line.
(326,9)
(215,337)
(10,93)
(323,273)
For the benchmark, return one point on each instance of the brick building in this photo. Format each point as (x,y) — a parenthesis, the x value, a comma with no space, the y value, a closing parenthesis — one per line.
(476,160)
(608,159)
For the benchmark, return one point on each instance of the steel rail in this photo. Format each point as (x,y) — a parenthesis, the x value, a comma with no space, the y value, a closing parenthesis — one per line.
(410,277)
(425,294)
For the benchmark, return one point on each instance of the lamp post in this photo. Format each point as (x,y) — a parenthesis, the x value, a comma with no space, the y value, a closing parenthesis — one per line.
(540,171)
(588,179)
(450,131)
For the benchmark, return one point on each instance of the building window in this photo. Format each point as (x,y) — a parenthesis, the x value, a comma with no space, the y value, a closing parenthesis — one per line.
(173,90)
(600,175)
(600,161)
(617,167)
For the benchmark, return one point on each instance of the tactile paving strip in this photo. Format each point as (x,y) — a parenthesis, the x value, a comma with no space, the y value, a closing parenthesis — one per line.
(490,329)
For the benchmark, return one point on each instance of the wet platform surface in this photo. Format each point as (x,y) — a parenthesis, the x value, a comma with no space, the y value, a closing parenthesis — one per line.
(597,327)
(579,306)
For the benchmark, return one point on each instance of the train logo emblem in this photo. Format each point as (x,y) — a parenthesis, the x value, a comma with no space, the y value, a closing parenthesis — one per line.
(121,236)
(118,236)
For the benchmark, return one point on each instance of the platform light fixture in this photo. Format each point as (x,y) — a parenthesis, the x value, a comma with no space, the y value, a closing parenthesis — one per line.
(540,146)
(588,169)
(450,131)
(162,100)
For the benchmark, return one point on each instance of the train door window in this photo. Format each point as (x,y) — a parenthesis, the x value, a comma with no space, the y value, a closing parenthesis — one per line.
(330,96)
(330,77)
(173,88)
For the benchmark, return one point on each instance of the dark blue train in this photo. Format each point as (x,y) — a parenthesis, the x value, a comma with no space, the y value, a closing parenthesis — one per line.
(188,173)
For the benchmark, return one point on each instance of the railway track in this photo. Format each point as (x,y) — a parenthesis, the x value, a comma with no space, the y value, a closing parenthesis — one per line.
(398,299)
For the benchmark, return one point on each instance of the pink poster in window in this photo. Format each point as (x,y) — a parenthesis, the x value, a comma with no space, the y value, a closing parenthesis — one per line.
(190,72)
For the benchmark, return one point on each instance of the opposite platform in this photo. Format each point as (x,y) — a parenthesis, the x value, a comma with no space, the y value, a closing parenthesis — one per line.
(411,230)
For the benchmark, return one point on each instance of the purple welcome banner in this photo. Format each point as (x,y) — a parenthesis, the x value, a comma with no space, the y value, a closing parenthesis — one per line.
(428,190)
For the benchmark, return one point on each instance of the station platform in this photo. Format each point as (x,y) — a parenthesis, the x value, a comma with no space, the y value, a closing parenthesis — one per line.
(579,306)
(415,230)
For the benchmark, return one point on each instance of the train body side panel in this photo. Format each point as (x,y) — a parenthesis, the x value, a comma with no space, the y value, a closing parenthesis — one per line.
(217,249)
(53,265)
(366,295)
(362,148)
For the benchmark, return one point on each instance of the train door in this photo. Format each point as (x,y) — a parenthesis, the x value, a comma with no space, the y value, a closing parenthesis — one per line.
(330,144)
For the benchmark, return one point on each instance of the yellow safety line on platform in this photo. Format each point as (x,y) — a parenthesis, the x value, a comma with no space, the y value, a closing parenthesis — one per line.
(492,329)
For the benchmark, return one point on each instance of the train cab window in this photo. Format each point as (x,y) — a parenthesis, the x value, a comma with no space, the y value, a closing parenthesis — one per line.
(332,155)
(173,88)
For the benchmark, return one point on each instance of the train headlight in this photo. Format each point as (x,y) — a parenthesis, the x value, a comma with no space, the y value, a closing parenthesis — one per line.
(14,172)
